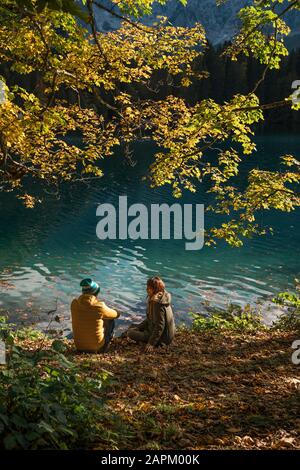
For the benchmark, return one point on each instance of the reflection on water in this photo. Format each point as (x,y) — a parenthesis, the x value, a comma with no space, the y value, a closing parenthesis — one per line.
(46,251)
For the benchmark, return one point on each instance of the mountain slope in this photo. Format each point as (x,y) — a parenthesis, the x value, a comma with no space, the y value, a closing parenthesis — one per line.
(220,22)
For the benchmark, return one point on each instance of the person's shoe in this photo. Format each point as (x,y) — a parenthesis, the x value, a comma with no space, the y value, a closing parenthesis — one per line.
(106,348)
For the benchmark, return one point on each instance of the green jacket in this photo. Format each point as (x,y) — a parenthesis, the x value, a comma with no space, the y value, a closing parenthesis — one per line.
(160,319)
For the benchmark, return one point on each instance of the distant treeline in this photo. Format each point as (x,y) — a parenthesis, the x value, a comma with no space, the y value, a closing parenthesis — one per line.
(227,78)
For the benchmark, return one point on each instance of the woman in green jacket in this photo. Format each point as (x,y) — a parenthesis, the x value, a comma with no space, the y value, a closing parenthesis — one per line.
(159,326)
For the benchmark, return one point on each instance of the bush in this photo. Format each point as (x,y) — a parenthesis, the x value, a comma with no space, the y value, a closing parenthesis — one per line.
(234,318)
(45,402)
(291,301)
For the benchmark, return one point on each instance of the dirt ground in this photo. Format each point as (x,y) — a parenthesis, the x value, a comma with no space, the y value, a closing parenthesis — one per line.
(217,390)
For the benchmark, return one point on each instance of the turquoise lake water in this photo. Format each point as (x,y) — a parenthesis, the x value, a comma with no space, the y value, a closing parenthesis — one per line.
(45,252)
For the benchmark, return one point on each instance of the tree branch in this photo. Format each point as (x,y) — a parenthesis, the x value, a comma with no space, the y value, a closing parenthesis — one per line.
(119,16)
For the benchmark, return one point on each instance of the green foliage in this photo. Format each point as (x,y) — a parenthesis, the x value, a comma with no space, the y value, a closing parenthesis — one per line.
(249,318)
(122,87)
(291,302)
(28,333)
(234,318)
(71,7)
(45,402)
(261,35)
(135,8)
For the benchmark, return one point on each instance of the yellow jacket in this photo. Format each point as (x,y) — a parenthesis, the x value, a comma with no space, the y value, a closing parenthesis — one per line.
(88,314)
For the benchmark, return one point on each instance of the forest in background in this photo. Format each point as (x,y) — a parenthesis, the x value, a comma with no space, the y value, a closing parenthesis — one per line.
(227,77)
(224,79)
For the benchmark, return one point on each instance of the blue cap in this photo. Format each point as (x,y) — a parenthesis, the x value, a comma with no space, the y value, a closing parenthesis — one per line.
(89,287)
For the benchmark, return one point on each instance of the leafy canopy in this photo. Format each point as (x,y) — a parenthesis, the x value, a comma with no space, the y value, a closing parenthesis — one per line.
(61,77)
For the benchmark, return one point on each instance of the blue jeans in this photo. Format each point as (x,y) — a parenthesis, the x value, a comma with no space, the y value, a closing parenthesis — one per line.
(109,326)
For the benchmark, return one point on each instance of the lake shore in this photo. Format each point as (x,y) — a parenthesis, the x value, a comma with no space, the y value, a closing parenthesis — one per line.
(216,389)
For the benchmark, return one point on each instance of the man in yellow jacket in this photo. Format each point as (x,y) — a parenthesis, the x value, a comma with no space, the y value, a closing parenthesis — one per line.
(92,321)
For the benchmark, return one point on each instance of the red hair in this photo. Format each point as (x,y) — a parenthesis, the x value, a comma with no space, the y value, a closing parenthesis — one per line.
(156,284)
